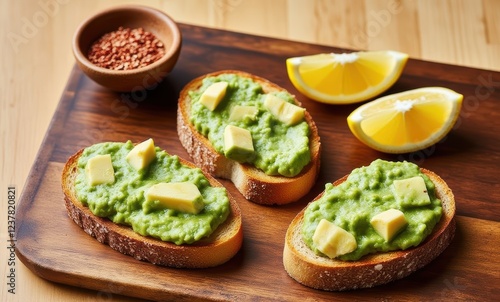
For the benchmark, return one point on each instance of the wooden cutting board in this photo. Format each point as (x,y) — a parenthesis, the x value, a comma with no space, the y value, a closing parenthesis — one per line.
(52,246)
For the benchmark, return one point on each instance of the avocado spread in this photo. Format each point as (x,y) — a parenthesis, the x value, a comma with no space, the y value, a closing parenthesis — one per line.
(367,192)
(123,201)
(280,149)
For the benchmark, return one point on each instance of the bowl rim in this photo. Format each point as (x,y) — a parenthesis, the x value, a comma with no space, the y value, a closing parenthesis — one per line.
(175,45)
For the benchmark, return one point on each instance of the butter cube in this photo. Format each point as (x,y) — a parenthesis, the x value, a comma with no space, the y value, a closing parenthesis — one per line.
(213,95)
(142,154)
(332,240)
(389,223)
(285,112)
(238,144)
(239,113)
(99,170)
(182,196)
(411,192)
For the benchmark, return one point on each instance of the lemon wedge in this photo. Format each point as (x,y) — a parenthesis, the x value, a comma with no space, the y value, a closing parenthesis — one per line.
(345,78)
(407,121)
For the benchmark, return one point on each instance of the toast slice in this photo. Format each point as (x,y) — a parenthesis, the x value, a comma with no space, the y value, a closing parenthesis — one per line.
(309,269)
(218,248)
(253,183)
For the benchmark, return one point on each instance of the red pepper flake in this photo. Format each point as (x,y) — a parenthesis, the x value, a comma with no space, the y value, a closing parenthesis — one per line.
(126,49)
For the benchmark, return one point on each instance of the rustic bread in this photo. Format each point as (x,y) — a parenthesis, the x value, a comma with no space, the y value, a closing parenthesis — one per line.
(253,183)
(303,265)
(222,245)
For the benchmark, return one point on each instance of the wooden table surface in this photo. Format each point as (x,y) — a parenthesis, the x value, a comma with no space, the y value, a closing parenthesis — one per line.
(36,64)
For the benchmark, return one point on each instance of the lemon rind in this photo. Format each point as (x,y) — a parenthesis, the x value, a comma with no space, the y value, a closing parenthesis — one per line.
(355,118)
(296,79)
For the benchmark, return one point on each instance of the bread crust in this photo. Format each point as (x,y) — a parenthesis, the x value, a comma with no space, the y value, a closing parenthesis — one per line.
(221,246)
(252,183)
(309,269)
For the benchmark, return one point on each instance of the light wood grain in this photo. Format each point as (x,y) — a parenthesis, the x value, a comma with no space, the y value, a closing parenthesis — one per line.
(87,114)
(36,59)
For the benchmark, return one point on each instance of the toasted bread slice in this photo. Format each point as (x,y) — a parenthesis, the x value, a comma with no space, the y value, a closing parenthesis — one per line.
(303,265)
(252,182)
(221,246)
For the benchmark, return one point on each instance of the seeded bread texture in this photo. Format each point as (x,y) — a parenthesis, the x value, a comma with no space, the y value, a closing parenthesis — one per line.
(253,183)
(309,269)
(215,250)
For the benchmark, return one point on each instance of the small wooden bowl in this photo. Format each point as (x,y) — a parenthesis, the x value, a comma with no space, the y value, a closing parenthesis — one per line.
(151,20)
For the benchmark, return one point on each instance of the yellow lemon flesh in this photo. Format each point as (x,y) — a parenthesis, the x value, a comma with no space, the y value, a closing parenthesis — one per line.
(345,78)
(407,121)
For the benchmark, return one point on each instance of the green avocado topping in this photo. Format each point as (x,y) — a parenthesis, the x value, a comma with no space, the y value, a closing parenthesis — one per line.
(123,201)
(280,149)
(367,192)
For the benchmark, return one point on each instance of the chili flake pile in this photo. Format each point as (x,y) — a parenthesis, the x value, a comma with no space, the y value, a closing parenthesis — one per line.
(126,49)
